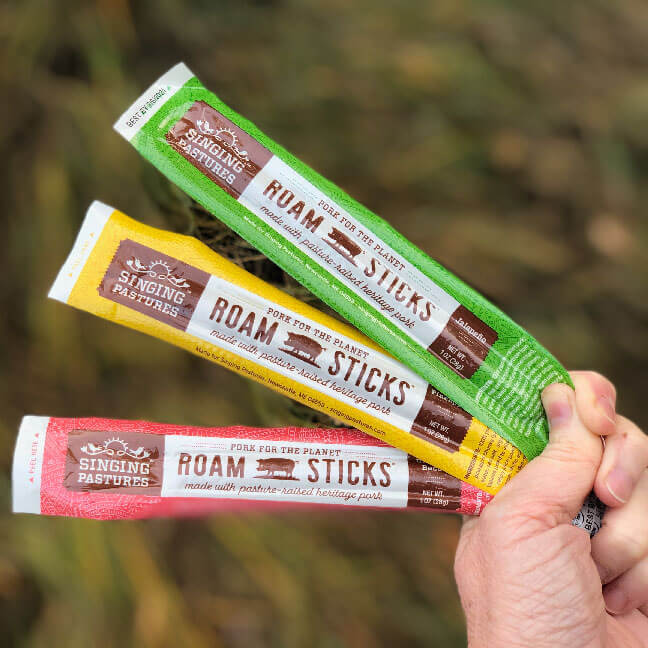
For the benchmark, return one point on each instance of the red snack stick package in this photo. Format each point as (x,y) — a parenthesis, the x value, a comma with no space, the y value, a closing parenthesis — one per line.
(109,469)
(114,469)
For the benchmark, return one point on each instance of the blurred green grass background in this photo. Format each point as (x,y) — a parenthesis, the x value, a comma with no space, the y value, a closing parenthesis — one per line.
(508,140)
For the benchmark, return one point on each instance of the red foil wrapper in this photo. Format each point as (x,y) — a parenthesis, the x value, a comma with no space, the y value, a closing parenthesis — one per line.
(113,469)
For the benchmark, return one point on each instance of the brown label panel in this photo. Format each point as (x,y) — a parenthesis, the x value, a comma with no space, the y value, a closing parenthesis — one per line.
(218,148)
(127,462)
(464,343)
(440,421)
(153,283)
(431,487)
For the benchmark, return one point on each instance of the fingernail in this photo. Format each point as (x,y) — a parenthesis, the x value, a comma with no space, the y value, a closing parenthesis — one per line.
(607,408)
(557,405)
(615,600)
(620,485)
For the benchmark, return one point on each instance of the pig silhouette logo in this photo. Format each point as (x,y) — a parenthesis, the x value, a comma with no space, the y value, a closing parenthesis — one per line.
(303,348)
(275,465)
(343,245)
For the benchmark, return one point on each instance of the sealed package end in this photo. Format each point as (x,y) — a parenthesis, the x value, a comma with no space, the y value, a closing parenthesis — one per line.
(110,469)
(351,259)
(175,288)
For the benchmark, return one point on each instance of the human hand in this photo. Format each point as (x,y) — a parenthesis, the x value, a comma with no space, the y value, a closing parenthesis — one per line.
(526,576)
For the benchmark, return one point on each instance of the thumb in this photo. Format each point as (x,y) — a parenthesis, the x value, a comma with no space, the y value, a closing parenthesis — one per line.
(553,486)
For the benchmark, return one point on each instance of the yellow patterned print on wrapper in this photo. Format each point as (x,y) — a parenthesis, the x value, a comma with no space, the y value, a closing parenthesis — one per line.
(175,288)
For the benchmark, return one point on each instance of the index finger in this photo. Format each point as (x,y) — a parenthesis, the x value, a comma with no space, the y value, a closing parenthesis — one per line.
(625,459)
(595,401)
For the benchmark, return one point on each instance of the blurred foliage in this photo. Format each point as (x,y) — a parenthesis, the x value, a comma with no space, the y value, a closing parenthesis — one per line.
(509,140)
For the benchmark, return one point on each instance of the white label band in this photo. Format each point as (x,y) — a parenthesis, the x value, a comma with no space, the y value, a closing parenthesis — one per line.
(289,471)
(255,328)
(335,240)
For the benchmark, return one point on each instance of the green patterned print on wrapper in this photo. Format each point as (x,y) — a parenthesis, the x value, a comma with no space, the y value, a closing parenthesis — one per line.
(349,257)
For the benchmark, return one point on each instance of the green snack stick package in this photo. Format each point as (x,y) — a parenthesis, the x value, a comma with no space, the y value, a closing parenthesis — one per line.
(350,258)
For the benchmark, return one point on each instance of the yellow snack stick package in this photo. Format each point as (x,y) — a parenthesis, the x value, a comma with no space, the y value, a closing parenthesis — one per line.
(175,288)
